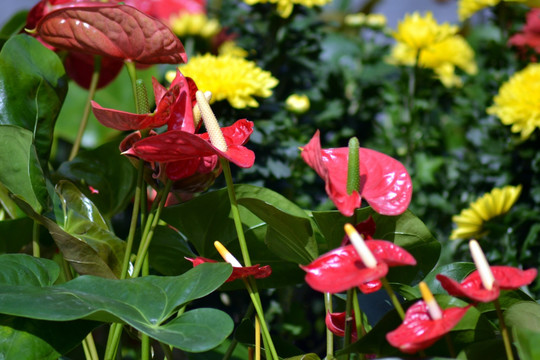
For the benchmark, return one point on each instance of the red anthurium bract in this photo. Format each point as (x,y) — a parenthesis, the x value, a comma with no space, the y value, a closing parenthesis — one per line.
(257,271)
(164,9)
(506,278)
(342,268)
(419,331)
(181,145)
(529,38)
(335,322)
(384,181)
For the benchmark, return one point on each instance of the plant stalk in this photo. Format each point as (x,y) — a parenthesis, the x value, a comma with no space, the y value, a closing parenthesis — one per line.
(504,331)
(393,298)
(36,251)
(329,334)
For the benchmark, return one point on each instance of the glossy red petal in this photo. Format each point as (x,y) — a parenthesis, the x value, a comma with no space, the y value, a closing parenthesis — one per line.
(335,322)
(390,253)
(118,31)
(370,286)
(366,228)
(125,121)
(340,270)
(511,278)
(257,271)
(418,331)
(471,287)
(80,66)
(384,181)
(164,9)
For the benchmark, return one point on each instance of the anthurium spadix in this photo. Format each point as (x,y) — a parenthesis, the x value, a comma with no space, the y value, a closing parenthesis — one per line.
(384,182)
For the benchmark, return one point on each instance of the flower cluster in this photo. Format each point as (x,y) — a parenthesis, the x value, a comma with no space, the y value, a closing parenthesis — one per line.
(466,8)
(285,7)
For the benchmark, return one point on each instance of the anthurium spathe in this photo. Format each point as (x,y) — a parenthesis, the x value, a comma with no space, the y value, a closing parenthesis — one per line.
(384,181)
(181,145)
(174,106)
(421,328)
(335,322)
(165,9)
(257,271)
(343,268)
(506,278)
(114,30)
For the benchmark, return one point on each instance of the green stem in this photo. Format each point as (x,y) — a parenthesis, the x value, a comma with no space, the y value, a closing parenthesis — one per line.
(504,331)
(87,106)
(36,251)
(393,297)
(358,319)
(130,66)
(329,334)
(167,351)
(91,346)
(348,319)
(147,236)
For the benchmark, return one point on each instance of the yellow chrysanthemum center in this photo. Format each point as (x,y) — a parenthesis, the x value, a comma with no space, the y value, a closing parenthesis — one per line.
(470,222)
(194,25)
(517,102)
(285,7)
(466,8)
(230,78)
(435,47)
(297,104)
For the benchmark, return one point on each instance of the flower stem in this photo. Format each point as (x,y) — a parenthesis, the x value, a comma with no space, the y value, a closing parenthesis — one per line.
(504,331)
(348,319)
(393,298)
(36,251)
(130,66)
(329,334)
(86,112)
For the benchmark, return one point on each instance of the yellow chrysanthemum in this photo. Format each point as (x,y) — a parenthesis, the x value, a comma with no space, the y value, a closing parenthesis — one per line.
(361,19)
(284,7)
(230,48)
(518,101)
(194,25)
(230,78)
(466,8)
(470,222)
(419,32)
(297,104)
(443,57)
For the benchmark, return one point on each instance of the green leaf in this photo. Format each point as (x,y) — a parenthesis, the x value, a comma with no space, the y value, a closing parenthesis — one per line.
(167,252)
(524,315)
(310,356)
(457,271)
(108,172)
(527,343)
(145,303)
(21,173)
(33,87)
(13,26)
(15,234)
(405,230)
(290,234)
(20,269)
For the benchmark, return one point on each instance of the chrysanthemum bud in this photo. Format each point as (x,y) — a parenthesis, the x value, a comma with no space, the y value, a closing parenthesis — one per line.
(210,122)
(226,255)
(433,308)
(360,246)
(481,264)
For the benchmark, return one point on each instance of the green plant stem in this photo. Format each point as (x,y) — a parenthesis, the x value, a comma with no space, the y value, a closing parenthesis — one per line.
(132,71)
(393,298)
(36,251)
(348,320)
(329,334)
(147,235)
(86,113)
(358,319)
(504,331)
(145,339)
(167,351)
(91,346)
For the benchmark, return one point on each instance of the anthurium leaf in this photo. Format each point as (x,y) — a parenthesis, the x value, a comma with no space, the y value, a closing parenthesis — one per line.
(20,269)
(290,234)
(83,258)
(33,86)
(492,349)
(111,176)
(13,26)
(305,357)
(525,315)
(527,343)
(117,31)
(21,173)
(145,303)
(168,250)
(405,230)
(22,338)
(457,271)
(84,221)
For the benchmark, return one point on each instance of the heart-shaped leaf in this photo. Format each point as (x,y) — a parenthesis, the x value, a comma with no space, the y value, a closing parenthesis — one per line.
(117,31)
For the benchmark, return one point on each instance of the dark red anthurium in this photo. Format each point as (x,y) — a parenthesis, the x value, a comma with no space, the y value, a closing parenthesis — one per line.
(506,278)
(257,271)
(180,145)
(173,106)
(384,181)
(113,30)
(335,322)
(342,268)
(419,331)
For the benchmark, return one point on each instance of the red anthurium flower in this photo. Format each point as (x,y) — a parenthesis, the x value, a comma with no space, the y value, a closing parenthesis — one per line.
(342,268)
(335,322)
(506,278)
(257,271)
(529,38)
(174,107)
(384,181)
(164,9)
(180,145)
(419,331)
(113,30)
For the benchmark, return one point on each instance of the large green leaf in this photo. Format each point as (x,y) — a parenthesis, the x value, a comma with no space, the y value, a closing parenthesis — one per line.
(149,304)
(21,173)
(290,234)
(527,343)
(107,172)
(13,26)
(405,230)
(32,89)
